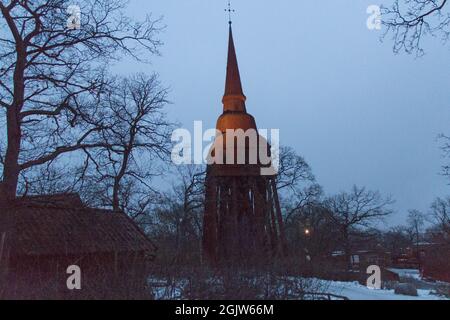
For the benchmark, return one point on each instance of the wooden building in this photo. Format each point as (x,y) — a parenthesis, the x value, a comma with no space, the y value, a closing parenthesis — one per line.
(41,237)
(435,261)
(243,225)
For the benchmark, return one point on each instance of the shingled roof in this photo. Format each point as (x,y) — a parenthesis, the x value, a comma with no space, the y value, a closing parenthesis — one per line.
(62,225)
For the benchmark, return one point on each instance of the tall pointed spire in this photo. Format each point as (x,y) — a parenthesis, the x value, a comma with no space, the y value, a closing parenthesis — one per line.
(234,98)
(233,84)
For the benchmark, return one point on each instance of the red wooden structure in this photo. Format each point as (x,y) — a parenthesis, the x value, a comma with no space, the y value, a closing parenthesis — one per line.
(242,221)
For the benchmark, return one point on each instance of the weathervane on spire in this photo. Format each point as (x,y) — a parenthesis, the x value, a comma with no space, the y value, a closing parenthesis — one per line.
(229,10)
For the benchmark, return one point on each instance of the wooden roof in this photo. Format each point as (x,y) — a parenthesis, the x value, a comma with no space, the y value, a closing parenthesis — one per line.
(35,226)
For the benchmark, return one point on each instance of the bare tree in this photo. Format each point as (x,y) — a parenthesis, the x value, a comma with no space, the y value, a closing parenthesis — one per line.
(137,139)
(416,222)
(397,238)
(178,225)
(409,20)
(440,210)
(190,195)
(51,76)
(446,152)
(295,183)
(47,179)
(313,236)
(293,170)
(355,209)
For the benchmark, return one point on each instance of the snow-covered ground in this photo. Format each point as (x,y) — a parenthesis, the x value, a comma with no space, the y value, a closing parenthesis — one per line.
(406,273)
(350,290)
(356,291)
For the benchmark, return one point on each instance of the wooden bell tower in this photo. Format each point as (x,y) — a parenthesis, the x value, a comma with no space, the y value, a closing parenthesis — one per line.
(242,220)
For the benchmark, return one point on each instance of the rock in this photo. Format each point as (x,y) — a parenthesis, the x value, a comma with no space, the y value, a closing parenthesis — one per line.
(406,289)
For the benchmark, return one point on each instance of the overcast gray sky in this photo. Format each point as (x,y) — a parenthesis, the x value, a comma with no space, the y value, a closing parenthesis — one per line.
(358,113)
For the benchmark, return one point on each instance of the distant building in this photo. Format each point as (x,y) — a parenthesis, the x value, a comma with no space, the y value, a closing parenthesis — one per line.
(432,259)
(435,261)
(360,260)
(40,237)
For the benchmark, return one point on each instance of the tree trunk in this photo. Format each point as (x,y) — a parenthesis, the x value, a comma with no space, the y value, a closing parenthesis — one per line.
(115,196)
(11,167)
(348,253)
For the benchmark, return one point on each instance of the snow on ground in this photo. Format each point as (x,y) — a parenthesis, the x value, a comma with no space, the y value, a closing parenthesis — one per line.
(406,273)
(350,290)
(356,291)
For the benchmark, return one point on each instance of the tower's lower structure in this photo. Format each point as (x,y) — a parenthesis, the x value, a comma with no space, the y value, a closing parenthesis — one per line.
(243,222)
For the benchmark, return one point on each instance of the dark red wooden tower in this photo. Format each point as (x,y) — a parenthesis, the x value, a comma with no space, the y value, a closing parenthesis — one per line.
(242,222)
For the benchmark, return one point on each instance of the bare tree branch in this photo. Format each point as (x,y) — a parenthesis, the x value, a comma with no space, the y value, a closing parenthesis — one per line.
(409,20)
(51,76)
(357,208)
